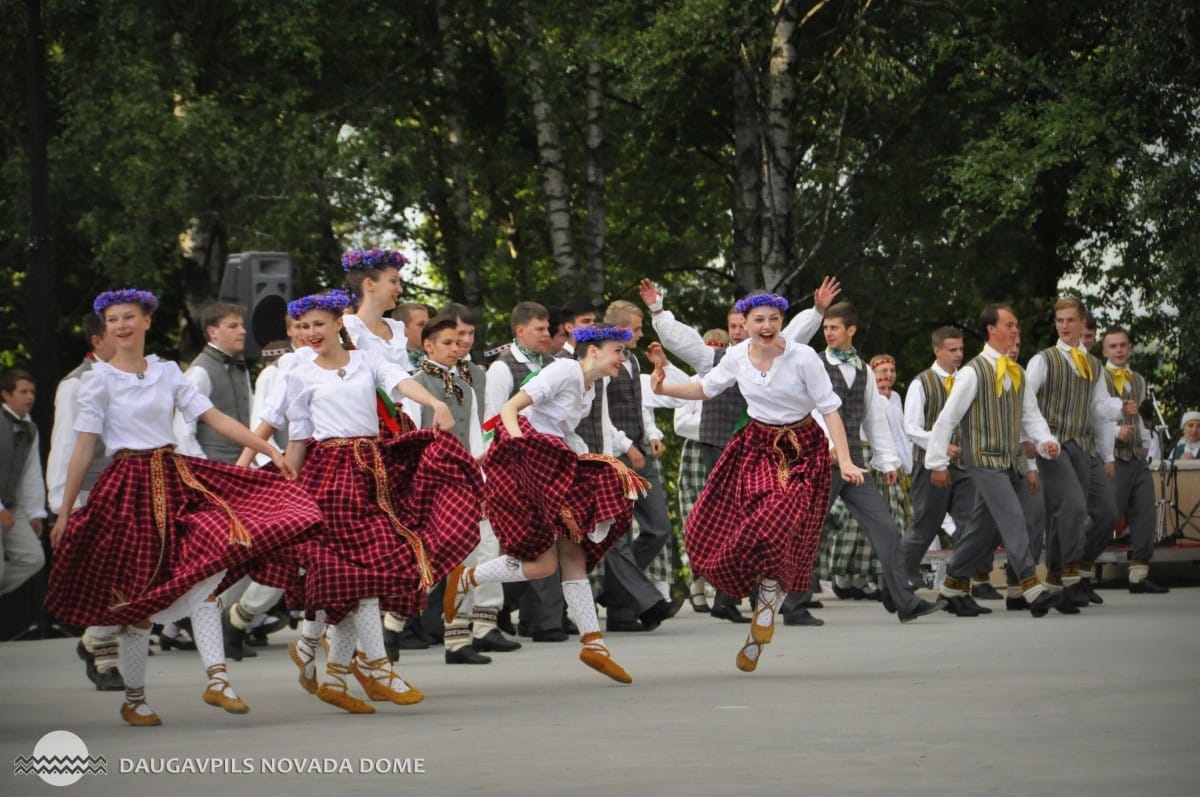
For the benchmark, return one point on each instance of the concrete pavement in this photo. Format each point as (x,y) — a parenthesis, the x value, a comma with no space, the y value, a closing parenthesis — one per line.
(1104,703)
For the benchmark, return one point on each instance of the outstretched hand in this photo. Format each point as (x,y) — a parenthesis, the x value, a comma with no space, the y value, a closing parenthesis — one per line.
(651,295)
(824,295)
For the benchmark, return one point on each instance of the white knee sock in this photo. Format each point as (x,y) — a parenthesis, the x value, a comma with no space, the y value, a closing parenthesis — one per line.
(502,569)
(342,640)
(206,628)
(578,595)
(135,647)
(369,629)
(769,597)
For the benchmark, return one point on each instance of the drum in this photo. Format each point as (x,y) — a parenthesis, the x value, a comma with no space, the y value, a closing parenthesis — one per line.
(1178,484)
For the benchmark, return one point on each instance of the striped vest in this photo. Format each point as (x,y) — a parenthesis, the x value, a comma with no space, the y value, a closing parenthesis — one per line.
(719,414)
(854,406)
(991,427)
(1135,390)
(935,400)
(1065,399)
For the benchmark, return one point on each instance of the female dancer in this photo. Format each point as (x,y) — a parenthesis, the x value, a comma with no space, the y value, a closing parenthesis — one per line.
(550,502)
(400,512)
(758,519)
(161,530)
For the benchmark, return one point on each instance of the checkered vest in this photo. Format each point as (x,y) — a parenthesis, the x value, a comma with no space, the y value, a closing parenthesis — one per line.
(935,400)
(1065,399)
(625,402)
(461,413)
(854,405)
(991,427)
(1128,450)
(231,395)
(519,371)
(719,414)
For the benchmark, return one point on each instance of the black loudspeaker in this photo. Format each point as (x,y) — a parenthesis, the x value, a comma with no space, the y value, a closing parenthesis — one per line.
(262,283)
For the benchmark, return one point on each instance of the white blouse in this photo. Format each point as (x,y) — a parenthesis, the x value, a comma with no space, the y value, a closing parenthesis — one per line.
(133,413)
(322,403)
(795,385)
(560,401)
(273,409)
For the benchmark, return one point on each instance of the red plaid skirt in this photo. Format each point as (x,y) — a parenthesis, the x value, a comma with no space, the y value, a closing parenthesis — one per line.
(538,490)
(400,514)
(761,509)
(157,523)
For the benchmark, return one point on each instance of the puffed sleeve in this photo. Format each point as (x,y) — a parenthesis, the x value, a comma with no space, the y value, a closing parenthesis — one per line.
(92,403)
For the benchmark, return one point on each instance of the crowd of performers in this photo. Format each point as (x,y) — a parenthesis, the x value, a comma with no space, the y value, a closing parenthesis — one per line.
(390,497)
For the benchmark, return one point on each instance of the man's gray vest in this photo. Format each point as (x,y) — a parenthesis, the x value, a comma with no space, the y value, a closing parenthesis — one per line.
(231,395)
(520,371)
(478,383)
(460,412)
(625,403)
(99,459)
(854,406)
(719,414)
(16,441)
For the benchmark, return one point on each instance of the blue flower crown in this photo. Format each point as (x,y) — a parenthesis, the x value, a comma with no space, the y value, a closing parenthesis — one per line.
(373,258)
(334,301)
(601,334)
(744,306)
(125,296)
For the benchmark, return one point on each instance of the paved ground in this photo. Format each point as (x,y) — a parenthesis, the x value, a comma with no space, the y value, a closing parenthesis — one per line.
(1106,703)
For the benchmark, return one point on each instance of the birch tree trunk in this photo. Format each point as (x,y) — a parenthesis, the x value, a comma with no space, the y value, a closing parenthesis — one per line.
(779,178)
(554,165)
(595,228)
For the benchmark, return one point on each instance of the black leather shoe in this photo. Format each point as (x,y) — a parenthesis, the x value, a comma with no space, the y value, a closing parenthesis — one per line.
(985,592)
(886,599)
(167,642)
(970,601)
(652,618)
(495,642)
(1042,604)
(391,644)
(872,594)
(801,616)
(569,627)
(109,681)
(407,640)
(1066,605)
(923,608)
(1147,587)
(1090,591)
(958,606)
(466,655)
(1077,595)
(616,626)
(814,604)
(84,655)
(234,637)
(1016,604)
(843,593)
(729,612)
(522,629)
(553,635)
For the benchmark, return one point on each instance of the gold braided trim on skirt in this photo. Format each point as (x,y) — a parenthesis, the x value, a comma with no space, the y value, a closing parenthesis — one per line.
(362,446)
(633,485)
(238,535)
(787,432)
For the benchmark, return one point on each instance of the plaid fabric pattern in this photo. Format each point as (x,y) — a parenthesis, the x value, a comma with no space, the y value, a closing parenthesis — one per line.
(434,490)
(532,479)
(845,550)
(142,541)
(761,509)
(691,481)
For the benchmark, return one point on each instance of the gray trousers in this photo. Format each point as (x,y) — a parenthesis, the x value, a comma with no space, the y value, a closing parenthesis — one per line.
(1134,494)
(930,505)
(628,591)
(1034,507)
(1081,511)
(997,510)
(21,554)
(866,505)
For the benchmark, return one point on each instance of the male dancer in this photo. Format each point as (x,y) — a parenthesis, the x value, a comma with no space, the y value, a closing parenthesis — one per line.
(1132,483)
